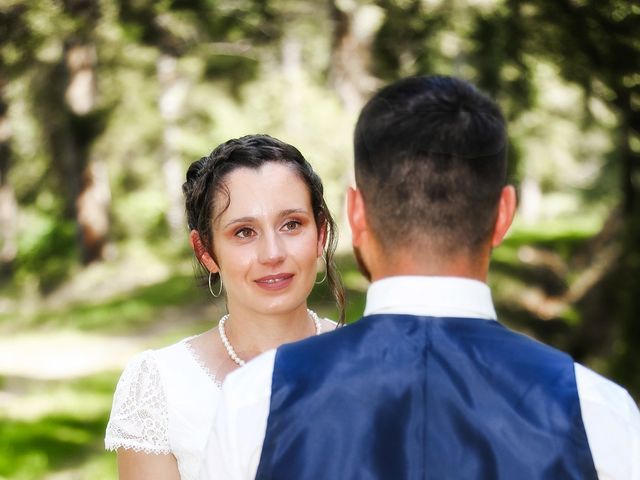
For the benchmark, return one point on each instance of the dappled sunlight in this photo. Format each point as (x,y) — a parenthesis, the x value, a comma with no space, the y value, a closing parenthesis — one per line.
(95,264)
(63,355)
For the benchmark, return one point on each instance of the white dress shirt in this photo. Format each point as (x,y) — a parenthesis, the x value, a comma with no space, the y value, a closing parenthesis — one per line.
(610,416)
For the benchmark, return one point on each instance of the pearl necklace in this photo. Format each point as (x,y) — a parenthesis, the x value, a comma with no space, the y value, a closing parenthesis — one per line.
(232,353)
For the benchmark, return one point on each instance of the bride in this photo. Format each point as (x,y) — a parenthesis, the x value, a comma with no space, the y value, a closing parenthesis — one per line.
(259,224)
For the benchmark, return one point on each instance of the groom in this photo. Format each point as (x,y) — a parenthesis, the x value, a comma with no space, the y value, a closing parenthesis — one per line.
(427,385)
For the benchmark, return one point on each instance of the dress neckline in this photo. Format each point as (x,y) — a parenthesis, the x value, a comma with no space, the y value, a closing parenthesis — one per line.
(195,356)
(199,362)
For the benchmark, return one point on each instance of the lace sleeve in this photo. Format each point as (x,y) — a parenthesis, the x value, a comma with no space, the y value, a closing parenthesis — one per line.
(139,418)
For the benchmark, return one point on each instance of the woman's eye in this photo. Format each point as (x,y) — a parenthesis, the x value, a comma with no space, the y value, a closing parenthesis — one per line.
(292,225)
(244,233)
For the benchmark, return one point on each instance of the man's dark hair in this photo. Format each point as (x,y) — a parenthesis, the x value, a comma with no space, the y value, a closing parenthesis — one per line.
(430,162)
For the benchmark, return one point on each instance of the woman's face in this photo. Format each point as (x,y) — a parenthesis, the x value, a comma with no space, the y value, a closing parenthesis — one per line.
(266,242)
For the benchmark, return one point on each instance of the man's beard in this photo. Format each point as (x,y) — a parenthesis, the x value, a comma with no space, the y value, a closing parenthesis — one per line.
(362,267)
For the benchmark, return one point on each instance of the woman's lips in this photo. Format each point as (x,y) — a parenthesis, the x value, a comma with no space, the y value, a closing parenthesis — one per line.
(275,282)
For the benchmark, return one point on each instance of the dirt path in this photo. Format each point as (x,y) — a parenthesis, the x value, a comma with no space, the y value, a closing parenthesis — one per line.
(68,354)
(64,355)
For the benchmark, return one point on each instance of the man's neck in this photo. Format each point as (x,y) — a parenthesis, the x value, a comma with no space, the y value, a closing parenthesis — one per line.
(413,263)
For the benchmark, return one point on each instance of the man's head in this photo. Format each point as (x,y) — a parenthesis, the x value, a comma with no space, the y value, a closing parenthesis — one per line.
(430,165)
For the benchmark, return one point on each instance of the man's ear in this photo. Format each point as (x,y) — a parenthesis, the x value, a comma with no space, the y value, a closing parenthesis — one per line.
(201,253)
(506,212)
(357,216)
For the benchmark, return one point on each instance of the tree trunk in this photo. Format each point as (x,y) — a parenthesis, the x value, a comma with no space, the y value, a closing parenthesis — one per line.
(173,90)
(627,284)
(87,181)
(354,28)
(292,73)
(93,206)
(8,204)
(630,159)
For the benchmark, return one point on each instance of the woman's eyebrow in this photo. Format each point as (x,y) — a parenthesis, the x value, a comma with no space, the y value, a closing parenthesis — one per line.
(290,211)
(283,213)
(240,220)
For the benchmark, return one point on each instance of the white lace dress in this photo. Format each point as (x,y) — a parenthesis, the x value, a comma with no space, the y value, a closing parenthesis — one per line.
(164,403)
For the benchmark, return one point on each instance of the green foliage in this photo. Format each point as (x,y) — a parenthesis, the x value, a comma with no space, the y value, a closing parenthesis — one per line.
(406,43)
(32,448)
(563,236)
(626,356)
(234,70)
(355,285)
(69,436)
(49,254)
(125,313)
(532,274)
(565,73)
(498,56)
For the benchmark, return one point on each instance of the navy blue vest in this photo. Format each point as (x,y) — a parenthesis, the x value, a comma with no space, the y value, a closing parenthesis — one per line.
(395,397)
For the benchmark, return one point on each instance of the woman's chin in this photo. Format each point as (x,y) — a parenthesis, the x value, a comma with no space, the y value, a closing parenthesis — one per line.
(284,305)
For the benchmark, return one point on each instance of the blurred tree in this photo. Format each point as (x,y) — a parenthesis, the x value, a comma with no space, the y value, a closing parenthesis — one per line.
(57,46)
(8,204)
(593,44)
(354,26)
(67,104)
(498,56)
(189,71)
(12,35)
(161,25)
(180,28)
(596,45)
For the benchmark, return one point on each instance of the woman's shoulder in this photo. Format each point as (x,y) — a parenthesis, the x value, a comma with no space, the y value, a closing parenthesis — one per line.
(173,348)
(161,362)
(328,325)
(141,369)
(139,395)
(165,353)
(183,360)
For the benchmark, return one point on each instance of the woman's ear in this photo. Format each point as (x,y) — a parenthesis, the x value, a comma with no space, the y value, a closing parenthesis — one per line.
(201,253)
(322,239)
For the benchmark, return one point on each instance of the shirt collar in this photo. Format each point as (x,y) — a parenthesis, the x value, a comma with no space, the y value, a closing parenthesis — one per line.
(430,296)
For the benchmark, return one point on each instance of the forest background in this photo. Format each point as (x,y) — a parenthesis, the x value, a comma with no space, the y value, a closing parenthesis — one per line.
(104,103)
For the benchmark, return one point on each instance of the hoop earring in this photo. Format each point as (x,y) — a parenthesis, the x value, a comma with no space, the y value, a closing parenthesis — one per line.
(326,268)
(211,289)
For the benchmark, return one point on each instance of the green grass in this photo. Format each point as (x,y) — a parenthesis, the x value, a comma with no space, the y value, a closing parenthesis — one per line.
(57,427)
(564,237)
(124,313)
(66,435)
(30,449)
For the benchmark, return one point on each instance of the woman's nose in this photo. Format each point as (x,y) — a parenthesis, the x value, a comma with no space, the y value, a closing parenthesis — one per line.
(272,249)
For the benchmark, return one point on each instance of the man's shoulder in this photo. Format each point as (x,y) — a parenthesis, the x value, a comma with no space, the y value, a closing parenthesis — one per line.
(252,382)
(612,423)
(598,392)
